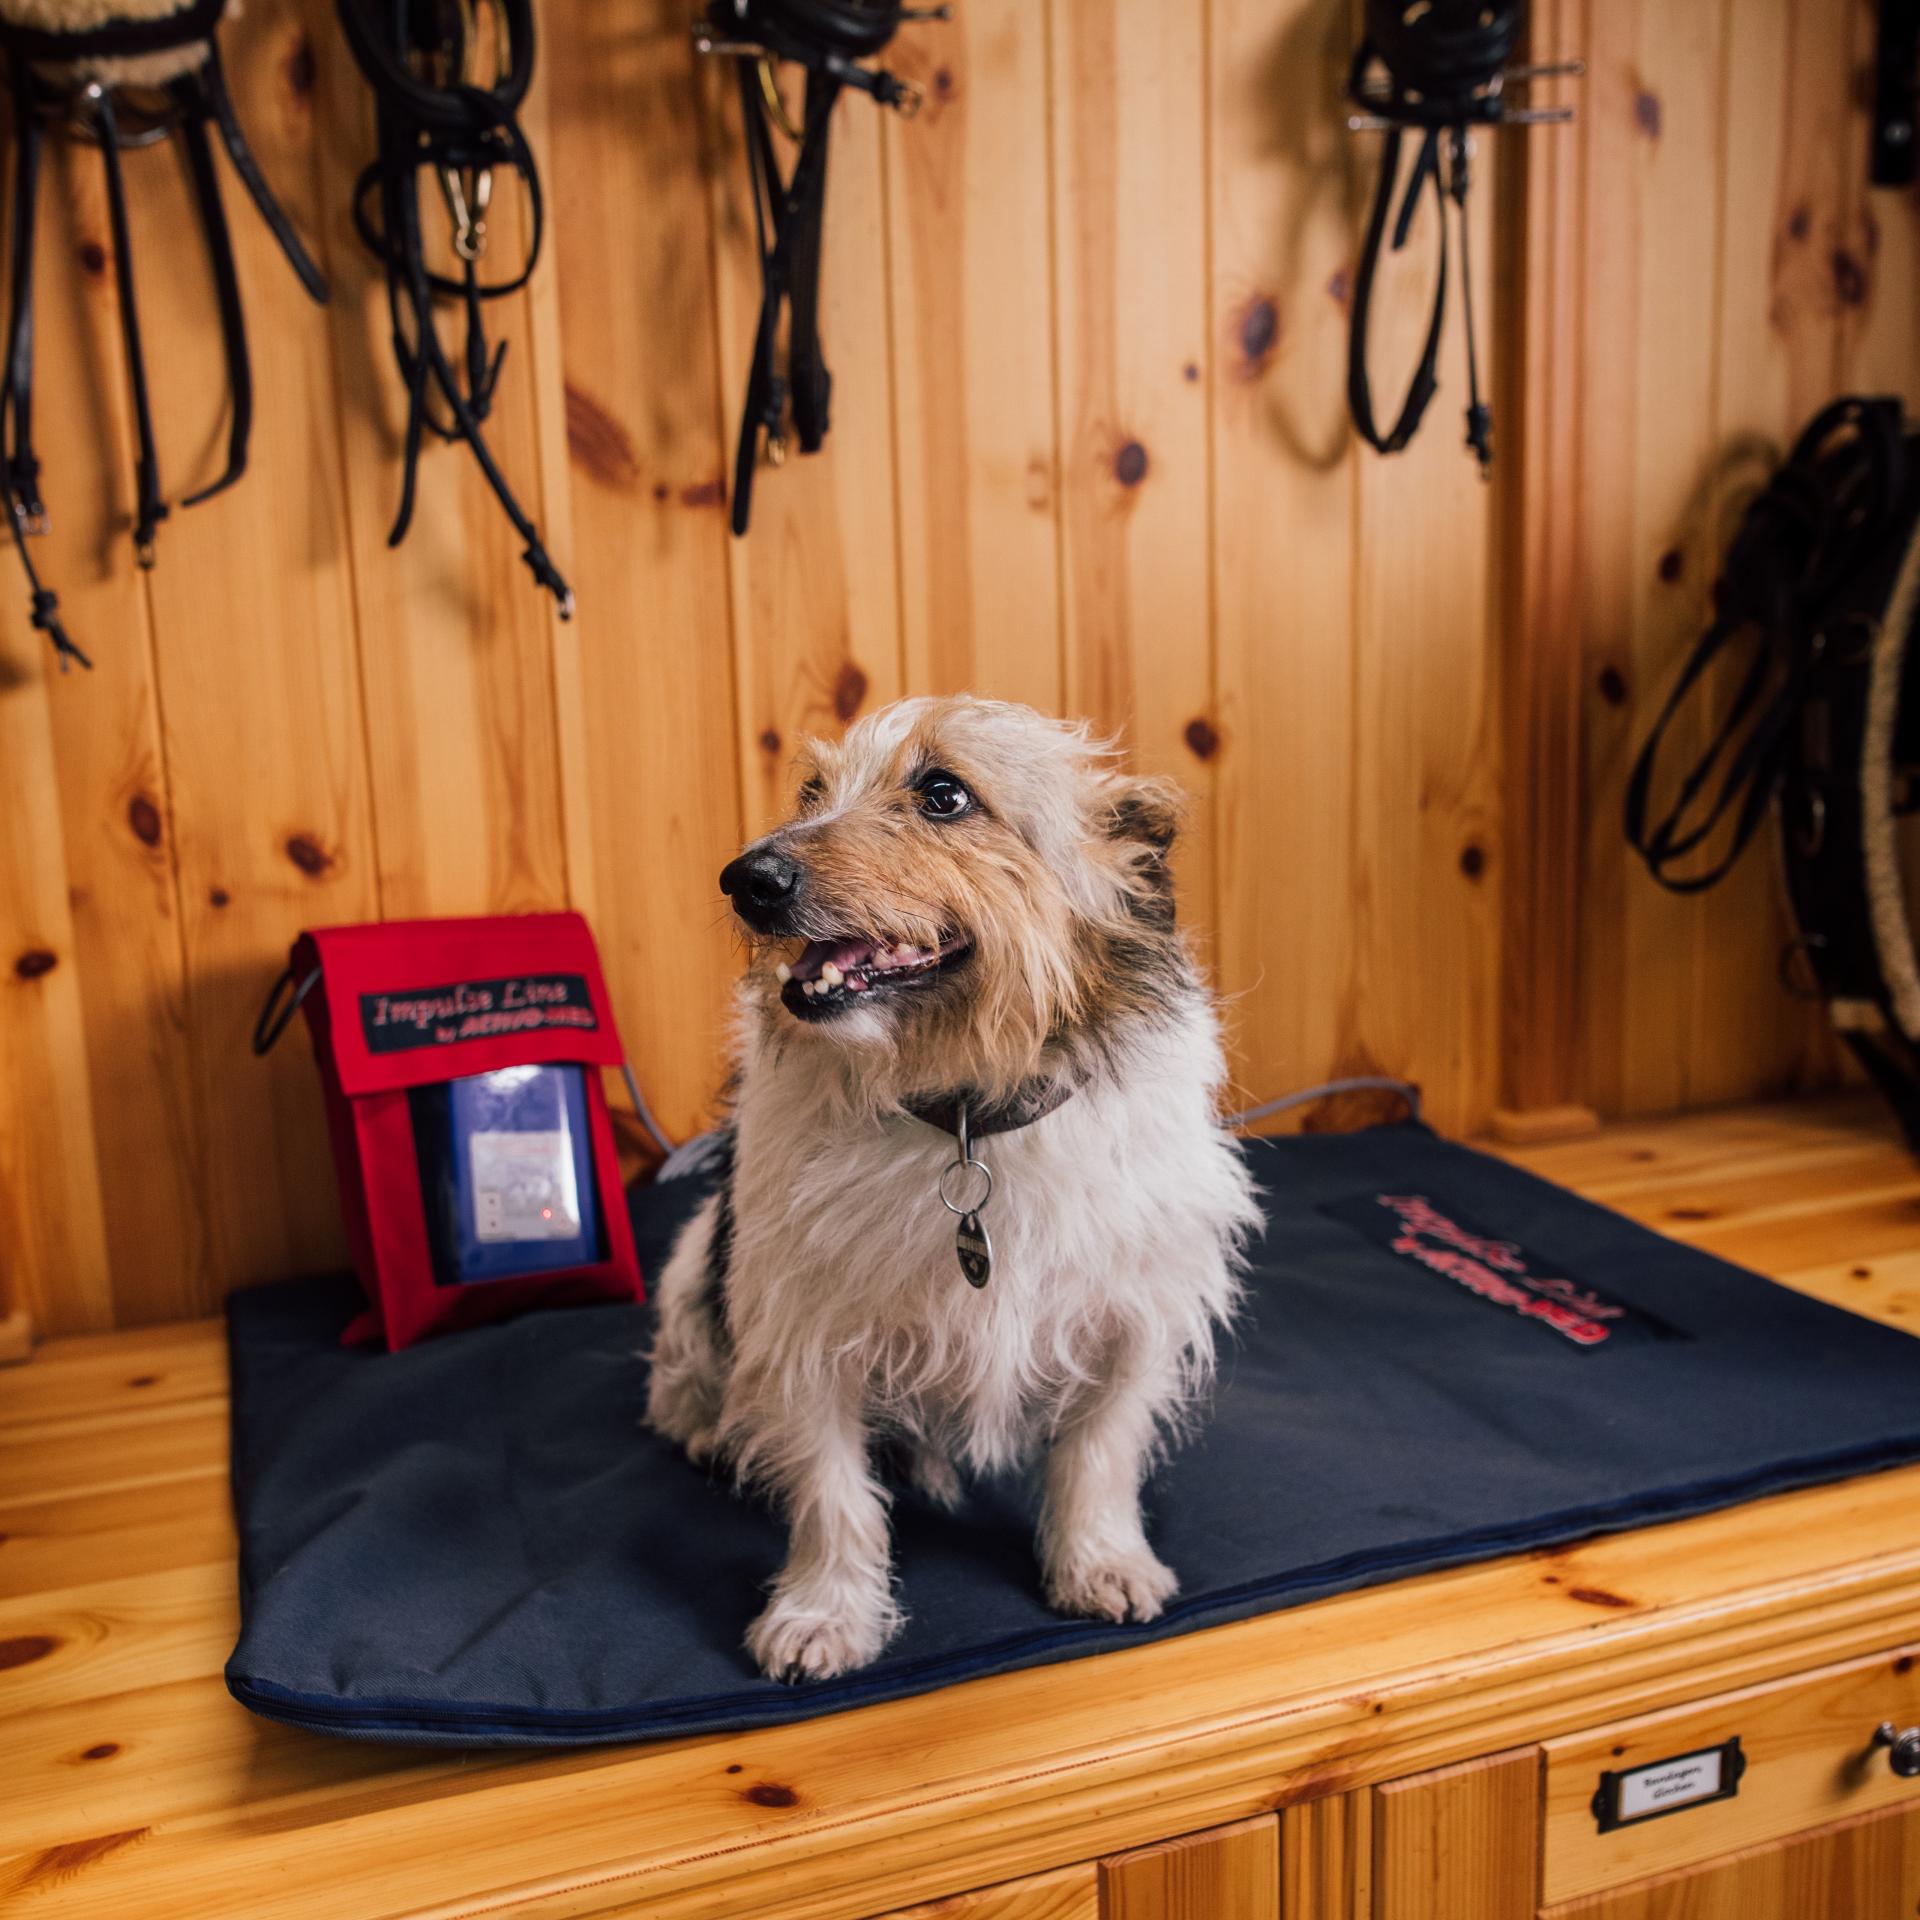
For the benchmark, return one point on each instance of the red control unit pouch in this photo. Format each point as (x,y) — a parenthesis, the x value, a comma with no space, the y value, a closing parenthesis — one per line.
(461,1061)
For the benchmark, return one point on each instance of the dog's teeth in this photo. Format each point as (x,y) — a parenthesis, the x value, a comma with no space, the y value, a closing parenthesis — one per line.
(832,974)
(783,973)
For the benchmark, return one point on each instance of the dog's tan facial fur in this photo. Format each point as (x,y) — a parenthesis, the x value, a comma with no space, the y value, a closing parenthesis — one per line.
(1046,892)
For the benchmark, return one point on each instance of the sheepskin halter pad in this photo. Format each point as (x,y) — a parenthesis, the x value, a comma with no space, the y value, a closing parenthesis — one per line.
(113,43)
(121,74)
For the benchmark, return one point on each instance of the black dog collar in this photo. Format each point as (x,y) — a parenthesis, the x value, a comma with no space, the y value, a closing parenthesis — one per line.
(1028,1103)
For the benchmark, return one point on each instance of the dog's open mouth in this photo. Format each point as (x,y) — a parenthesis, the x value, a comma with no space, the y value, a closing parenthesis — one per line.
(832,975)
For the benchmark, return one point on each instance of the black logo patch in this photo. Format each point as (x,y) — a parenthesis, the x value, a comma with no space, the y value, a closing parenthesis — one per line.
(475,1010)
(1501,1272)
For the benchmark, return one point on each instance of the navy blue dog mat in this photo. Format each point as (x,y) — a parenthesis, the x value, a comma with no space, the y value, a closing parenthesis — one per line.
(1443,1360)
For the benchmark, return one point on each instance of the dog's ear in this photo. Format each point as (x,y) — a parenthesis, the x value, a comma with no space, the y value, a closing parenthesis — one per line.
(1148,811)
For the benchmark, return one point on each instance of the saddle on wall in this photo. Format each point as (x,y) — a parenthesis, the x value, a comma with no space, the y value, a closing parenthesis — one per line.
(1820,729)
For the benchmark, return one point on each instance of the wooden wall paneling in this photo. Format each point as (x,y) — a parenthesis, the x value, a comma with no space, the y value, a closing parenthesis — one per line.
(257,660)
(969,239)
(647,692)
(113,795)
(1326,1858)
(1128,121)
(1861,1870)
(456,665)
(1428,865)
(1652,113)
(1874,258)
(1538,542)
(1225,1873)
(1282,209)
(53,1248)
(1460,1840)
(1783,209)
(815,581)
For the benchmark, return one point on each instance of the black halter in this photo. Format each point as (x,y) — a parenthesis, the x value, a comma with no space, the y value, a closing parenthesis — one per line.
(1441,71)
(191,101)
(1823,580)
(417,57)
(829,38)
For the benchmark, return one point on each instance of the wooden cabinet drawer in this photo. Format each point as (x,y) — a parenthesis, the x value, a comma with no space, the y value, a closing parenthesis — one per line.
(1808,1760)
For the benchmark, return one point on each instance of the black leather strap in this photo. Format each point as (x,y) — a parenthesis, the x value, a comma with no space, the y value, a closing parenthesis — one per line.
(788,217)
(1425,382)
(1031,1102)
(150,508)
(458,129)
(212,83)
(19,468)
(226,288)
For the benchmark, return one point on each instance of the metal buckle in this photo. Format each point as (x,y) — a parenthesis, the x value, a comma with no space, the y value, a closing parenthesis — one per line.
(469,220)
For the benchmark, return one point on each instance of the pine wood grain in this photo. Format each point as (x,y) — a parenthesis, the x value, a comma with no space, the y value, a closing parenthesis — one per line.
(1071,1894)
(1428,865)
(1282,206)
(1326,1858)
(1862,1870)
(968,210)
(114,790)
(1226,1873)
(646,676)
(1808,1763)
(259,664)
(1537,383)
(1460,1840)
(1128,120)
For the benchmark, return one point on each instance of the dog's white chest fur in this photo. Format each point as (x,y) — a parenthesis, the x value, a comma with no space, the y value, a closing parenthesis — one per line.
(1104,1215)
(1107,1218)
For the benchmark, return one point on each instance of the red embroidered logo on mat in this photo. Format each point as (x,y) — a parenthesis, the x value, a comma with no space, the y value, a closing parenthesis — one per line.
(1501,1272)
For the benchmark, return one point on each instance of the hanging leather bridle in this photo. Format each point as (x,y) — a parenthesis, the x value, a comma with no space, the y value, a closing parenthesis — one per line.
(124,83)
(829,39)
(1434,70)
(448,96)
(1821,726)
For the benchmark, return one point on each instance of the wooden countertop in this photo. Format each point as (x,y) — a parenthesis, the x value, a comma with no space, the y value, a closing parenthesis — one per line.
(131,1784)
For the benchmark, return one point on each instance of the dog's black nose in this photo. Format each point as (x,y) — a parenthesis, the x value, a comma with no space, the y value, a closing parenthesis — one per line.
(762,885)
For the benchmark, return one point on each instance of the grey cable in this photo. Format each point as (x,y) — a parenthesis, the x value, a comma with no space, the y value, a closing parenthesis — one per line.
(1358,1083)
(642,1111)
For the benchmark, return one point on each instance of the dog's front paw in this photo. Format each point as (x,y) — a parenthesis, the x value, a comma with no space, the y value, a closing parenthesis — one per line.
(1130,1585)
(793,1640)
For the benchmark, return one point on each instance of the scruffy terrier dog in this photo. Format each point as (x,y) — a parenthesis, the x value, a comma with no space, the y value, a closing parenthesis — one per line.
(977,925)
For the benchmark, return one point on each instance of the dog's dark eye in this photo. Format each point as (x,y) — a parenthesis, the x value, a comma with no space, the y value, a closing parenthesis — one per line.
(813,793)
(942,797)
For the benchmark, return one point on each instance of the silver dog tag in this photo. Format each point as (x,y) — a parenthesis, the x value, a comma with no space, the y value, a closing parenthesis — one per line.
(974,1249)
